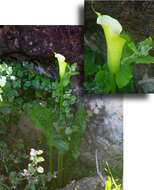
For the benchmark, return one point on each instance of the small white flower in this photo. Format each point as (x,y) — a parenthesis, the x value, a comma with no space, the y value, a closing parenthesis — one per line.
(25,173)
(2,81)
(12,77)
(40,159)
(40,169)
(33,152)
(39,152)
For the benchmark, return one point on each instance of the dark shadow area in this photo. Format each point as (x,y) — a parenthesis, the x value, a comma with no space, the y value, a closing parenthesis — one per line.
(120,96)
(81,15)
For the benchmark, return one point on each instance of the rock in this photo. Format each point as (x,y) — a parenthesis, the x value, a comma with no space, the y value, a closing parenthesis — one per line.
(88,183)
(104,132)
(143,77)
(136,17)
(41,41)
(147,85)
(27,131)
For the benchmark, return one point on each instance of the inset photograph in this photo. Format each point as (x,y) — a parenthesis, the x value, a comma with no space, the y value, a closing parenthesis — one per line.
(118,47)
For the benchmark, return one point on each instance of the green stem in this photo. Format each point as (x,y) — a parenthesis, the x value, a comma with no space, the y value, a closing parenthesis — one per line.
(51,169)
(61,98)
(60,169)
(114,87)
(113,91)
(3,185)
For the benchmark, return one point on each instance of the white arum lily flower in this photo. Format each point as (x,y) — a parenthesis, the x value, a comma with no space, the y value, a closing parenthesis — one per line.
(115,43)
(62,64)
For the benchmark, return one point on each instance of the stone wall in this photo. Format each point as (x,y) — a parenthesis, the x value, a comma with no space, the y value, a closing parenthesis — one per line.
(40,42)
(105,131)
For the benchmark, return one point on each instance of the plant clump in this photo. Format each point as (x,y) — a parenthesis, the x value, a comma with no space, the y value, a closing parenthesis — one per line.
(51,106)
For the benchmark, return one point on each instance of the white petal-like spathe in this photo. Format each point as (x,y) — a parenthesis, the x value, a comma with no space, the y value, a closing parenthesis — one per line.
(110,22)
(59,57)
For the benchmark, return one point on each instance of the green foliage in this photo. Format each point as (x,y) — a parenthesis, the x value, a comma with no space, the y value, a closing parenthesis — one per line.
(32,178)
(62,95)
(56,122)
(61,126)
(46,120)
(76,131)
(34,173)
(111,183)
(11,159)
(21,87)
(51,107)
(123,76)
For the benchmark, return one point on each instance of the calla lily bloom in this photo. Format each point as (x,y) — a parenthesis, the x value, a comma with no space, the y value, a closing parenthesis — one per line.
(62,64)
(115,43)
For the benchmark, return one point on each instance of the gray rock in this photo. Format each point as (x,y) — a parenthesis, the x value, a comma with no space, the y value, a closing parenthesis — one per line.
(147,85)
(39,42)
(27,131)
(88,183)
(105,131)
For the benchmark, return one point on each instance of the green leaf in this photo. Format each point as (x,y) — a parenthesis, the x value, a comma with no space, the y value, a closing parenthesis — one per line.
(124,76)
(16,84)
(61,145)
(145,60)
(145,46)
(76,153)
(105,81)
(78,127)
(27,84)
(68,131)
(65,81)
(20,73)
(9,71)
(133,54)
(132,46)
(108,184)
(89,64)
(41,117)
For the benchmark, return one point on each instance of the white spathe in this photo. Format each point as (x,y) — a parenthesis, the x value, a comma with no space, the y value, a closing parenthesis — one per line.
(113,24)
(59,57)
(62,64)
